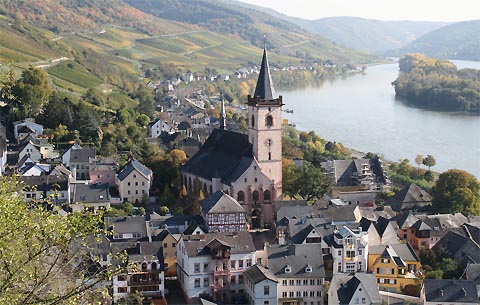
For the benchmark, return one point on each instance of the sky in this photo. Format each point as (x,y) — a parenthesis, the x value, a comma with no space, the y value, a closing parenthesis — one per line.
(426,10)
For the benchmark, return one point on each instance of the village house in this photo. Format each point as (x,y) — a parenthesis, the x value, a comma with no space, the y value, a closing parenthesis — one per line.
(102,171)
(395,266)
(145,277)
(80,162)
(25,127)
(222,213)
(66,155)
(169,248)
(211,266)
(411,197)
(47,188)
(349,248)
(134,181)
(91,196)
(300,273)
(354,288)
(261,286)
(247,167)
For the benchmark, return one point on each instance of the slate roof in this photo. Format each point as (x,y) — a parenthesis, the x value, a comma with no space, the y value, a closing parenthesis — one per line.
(127,224)
(258,273)
(337,214)
(155,121)
(297,257)
(225,154)
(91,193)
(145,250)
(472,273)
(241,242)
(264,88)
(220,202)
(405,220)
(443,291)
(46,183)
(82,155)
(349,283)
(132,165)
(402,250)
(411,196)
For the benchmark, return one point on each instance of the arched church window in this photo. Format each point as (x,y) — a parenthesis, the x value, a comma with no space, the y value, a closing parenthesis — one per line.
(154,266)
(256,196)
(266,196)
(241,196)
(269,120)
(253,121)
(144,266)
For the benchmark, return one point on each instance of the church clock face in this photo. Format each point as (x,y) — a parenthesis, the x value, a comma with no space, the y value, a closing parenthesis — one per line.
(268,142)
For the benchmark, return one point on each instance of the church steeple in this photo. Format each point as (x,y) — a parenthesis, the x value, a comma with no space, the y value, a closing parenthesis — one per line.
(264,89)
(223,116)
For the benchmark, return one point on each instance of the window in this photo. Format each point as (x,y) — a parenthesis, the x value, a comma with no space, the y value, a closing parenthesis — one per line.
(241,196)
(291,294)
(197,283)
(291,282)
(205,267)
(240,278)
(233,264)
(165,245)
(339,253)
(284,282)
(232,279)
(269,121)
(240,264)
(196,267)
(312,282)
(144,266)
(206,282)
(284,294)
(253,121)
(249,262)
(255,196)
(174,245)
(136,183)
(266,290)
(266,196)
(154,266)
(128,183)
(122,289)
(269,156)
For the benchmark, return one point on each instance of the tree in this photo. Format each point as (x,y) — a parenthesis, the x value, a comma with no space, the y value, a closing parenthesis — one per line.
(457,191)
(44,256)
(419,160)
(32,92)
(164,210)
(428,161)
(307,181)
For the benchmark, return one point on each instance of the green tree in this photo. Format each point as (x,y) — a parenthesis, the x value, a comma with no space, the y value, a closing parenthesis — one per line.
(32,92)
(44,255)
(419,161)
(429,161)
(164,210)
(457,191)
(307,181)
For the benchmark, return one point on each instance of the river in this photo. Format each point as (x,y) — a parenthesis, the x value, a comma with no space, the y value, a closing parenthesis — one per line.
(361,112)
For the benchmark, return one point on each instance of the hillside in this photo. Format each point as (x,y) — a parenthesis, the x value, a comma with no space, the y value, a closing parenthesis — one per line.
(367,35)
(460,40)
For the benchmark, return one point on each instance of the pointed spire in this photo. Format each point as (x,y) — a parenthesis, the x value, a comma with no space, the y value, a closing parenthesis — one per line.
(264,88)
(223,116)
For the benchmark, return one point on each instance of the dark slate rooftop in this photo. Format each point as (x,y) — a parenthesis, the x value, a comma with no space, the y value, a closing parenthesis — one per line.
(220,203)
(90,193)
(472,273)
(82,155)
(348,284)
(241,242)
(258,273)
(46,183)
(411,196)
(297,257)
(132,165)
(225,154)
(443,291)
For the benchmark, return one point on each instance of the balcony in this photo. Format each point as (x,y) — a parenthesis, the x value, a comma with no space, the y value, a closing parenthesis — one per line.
(219,272)
(351,259)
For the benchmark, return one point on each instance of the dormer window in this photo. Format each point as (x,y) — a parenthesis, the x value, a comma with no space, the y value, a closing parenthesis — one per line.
(288,269)
(308,268)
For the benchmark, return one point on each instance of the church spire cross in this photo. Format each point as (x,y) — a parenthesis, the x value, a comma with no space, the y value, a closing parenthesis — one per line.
(264,89)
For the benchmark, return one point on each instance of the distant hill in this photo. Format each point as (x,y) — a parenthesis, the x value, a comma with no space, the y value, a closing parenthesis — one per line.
(368,35)
(460,40)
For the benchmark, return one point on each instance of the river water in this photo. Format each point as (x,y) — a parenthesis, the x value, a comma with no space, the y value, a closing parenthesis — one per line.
(361,112)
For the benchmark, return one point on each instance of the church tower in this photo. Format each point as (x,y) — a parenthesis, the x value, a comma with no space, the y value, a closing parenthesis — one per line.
(265,127)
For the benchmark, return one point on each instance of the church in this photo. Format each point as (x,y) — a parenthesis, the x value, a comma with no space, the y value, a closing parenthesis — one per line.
(248,167)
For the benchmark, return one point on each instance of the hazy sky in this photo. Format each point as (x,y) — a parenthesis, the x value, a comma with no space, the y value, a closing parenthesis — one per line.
(428,10)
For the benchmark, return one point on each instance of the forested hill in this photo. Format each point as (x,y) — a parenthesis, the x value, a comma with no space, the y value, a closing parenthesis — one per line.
(436,84)
(460,40)
(370,35)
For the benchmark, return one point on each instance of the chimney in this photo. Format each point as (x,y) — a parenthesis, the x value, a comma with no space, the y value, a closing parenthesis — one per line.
(441,292)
